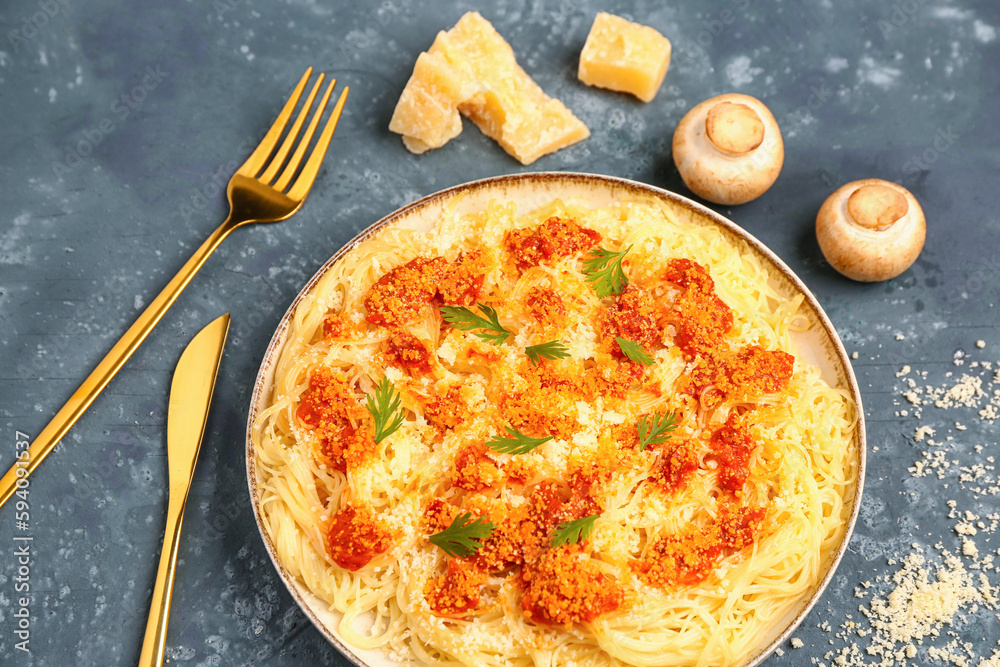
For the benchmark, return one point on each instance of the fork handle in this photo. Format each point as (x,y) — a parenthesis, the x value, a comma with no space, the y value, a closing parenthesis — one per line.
(155,641)
(81,399)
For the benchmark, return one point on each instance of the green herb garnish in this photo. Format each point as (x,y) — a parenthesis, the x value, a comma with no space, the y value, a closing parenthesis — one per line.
(550,350)
(572,532)
(517,443)
(463,319)
(634,351)
(657,430)
(604,269)
(464,536)
(384,408)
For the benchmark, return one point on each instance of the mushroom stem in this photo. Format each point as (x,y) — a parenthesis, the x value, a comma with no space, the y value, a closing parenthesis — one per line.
(876,206)
(734,128)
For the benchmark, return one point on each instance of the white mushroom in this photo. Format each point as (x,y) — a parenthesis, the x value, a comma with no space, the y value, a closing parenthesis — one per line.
(728,149)
(871,230)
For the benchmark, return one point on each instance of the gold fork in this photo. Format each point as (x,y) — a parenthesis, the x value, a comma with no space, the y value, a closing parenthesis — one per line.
(262,190)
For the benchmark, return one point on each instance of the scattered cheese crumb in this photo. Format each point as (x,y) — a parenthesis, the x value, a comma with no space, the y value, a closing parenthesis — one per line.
(929,604)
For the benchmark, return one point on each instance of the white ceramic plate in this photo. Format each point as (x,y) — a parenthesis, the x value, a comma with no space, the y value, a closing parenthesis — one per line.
(819,345)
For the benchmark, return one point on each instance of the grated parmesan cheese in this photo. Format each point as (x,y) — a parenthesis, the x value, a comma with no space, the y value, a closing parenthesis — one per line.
(923,611)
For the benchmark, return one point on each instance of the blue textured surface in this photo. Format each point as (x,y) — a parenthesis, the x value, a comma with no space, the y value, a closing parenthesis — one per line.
(123,121)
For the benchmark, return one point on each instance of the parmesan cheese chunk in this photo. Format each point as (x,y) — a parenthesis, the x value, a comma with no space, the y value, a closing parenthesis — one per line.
(624,56)
(427,112)
(472,70)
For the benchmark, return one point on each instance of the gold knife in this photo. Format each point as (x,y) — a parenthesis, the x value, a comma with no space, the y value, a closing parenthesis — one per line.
(190,398)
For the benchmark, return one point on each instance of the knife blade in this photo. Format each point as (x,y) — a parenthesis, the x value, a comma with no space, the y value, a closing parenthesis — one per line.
(187,413)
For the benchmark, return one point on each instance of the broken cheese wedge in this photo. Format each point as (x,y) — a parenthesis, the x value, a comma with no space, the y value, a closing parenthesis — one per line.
(624,56)
(495,93)
(427,112)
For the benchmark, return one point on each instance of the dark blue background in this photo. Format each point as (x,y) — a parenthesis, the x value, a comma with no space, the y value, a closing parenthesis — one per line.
(122,122)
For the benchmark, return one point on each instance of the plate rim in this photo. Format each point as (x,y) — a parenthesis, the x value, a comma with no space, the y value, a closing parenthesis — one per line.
(840,356)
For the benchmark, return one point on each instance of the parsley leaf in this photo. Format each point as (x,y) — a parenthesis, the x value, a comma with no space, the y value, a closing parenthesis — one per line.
(572,532)
(463,319)
(384,408)
(657,430)
(464,536)
(517,443)
(634,351)
(604,269)
(550,350)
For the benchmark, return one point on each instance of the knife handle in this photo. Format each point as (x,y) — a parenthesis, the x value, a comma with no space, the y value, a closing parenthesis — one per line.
(155,641)
(109,366)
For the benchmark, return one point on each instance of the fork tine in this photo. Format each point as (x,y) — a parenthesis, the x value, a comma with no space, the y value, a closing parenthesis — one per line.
(293,163)
(286,145)
(267,144)
(305,180)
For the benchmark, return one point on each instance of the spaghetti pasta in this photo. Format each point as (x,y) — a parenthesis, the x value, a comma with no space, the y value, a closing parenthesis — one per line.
(707,476)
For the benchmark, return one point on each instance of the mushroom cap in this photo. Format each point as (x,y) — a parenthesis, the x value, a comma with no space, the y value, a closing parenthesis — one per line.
(728,149)
(871,230)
